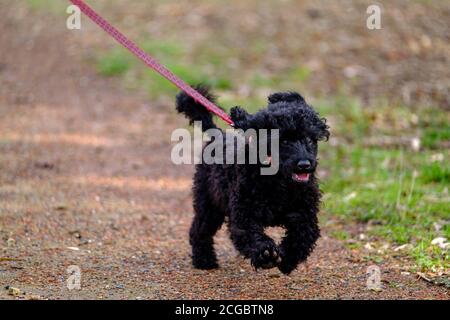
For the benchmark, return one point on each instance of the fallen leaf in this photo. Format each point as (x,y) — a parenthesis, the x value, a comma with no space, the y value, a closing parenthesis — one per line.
(10,259)
(350,196)
(423,276)
(406,246)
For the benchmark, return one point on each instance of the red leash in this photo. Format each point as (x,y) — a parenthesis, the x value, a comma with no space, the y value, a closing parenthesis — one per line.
(151,62)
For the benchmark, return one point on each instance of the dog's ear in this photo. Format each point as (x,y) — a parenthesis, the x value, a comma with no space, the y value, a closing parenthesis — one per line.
(240,118)
(289,96)
(323,132)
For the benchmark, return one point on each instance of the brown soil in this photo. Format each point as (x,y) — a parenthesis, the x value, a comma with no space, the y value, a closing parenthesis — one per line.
(84,165)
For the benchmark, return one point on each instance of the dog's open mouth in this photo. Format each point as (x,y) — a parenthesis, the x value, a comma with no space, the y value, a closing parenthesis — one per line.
(301,177)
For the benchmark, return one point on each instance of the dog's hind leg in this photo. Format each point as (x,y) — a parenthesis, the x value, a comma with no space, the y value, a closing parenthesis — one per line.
(208,219)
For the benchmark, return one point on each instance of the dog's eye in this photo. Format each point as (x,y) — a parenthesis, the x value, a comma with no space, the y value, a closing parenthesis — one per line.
(284,141)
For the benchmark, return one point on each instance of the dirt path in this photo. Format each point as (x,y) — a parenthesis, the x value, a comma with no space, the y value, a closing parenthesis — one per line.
(86,180)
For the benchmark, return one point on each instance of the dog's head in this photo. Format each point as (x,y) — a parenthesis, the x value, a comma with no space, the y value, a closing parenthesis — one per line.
(300,129)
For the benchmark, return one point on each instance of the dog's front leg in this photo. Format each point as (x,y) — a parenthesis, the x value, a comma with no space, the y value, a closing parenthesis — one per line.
(302,232)
(250,240)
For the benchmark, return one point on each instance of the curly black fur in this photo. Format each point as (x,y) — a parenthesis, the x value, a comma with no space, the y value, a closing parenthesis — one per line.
(252,201)
(195,111)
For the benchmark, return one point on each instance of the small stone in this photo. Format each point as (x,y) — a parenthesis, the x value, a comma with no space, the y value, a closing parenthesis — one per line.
(61,207)
(76,234)
(415,144)
(274,275)
(13,291)
(437,226)
(11,242)
(425,41)
(441,242)
(376,289)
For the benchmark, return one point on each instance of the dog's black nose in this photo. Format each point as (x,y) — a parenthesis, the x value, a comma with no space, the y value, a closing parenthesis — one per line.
(304,164)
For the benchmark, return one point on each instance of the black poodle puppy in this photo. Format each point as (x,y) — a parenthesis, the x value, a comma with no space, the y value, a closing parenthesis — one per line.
(251,201)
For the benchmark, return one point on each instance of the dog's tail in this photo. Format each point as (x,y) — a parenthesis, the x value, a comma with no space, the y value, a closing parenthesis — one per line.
(193,110)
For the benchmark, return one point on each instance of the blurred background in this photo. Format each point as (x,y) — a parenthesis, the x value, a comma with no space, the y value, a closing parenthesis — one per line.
(85,127)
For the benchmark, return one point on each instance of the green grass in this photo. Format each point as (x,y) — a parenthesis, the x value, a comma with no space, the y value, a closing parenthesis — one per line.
(119,62)
(114,63)
(435,172)
(340,234)
(49,5)
(436,131)
(432,137)
(402,193)
(299,74)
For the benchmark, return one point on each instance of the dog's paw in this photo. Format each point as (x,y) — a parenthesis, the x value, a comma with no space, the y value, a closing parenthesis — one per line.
(287,264)
(205,264)
(286,268)
(204,260)
(266,257)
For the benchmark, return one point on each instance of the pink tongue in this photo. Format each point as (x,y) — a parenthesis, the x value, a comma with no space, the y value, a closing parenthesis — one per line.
(303,176)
